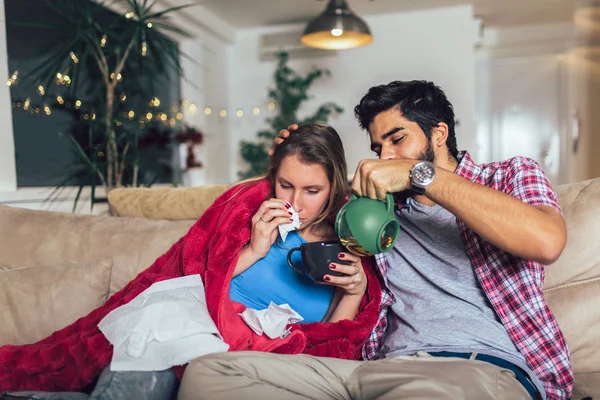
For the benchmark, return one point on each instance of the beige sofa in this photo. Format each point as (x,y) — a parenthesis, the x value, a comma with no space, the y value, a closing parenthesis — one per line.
(56,267)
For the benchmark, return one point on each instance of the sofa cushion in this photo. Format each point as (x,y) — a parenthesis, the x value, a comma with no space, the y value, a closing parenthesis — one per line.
(164,203)
(575,307)
(580,260)
(30,237)
(36,301)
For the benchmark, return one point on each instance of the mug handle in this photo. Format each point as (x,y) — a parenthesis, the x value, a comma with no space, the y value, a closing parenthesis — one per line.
(291,264)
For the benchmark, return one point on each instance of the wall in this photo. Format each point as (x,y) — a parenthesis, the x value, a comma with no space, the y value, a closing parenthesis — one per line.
(8,174)
(578,84)
(435,45)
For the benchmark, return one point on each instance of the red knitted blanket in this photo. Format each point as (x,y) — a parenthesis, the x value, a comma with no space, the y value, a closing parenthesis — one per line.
(72,358)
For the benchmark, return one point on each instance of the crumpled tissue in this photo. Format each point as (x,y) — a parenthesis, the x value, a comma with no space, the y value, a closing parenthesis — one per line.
(272,320)
(167,324)
(286,228)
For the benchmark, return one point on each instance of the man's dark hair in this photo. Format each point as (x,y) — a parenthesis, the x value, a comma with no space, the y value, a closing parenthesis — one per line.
(421,102)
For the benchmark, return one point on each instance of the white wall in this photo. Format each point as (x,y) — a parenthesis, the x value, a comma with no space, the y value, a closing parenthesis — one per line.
(435,45)
(8,173)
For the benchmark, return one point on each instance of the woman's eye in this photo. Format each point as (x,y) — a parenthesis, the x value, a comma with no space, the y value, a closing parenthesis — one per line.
(285,187)
(313,191)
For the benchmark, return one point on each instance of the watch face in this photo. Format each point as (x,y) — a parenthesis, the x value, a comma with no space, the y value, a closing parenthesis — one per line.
(423,174)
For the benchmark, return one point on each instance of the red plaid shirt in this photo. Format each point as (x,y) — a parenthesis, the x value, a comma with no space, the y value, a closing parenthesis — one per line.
(512,285)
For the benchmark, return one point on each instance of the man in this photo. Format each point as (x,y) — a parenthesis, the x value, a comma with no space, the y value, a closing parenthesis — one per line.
(463,315)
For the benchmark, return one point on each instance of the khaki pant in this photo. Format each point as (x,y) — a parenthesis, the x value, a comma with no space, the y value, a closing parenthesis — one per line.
(266,376)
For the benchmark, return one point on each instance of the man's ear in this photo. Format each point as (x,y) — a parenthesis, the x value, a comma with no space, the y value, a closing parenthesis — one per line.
(439,134)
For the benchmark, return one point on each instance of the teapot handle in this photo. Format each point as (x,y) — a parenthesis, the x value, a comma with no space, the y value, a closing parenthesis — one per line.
(389,203)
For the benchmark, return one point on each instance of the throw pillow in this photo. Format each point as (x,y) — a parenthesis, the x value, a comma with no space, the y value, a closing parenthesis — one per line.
(36,301)
(182,203)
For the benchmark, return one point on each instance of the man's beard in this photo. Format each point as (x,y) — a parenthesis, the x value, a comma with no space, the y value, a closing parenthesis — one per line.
(426,155)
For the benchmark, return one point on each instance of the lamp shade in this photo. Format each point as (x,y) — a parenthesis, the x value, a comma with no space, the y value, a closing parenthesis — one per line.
(336,28)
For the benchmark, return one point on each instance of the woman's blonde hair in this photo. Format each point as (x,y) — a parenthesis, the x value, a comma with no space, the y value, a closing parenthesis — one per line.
(316,144)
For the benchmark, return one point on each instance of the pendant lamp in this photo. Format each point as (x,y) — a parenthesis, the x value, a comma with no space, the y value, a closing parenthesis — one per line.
(336,28)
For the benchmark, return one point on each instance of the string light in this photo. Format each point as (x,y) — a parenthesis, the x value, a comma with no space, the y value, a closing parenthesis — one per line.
(185,103)
(271,106)
(223,113)
(256,111)
(123,97)
(149,25)
(93,116)
(86,117)
(74,57)
(155,102)
(47,109)
(163,117)
(41,90)
(239,113)
(192,107)
(129,15)
(131,114)
(149,116)
(60,100)
(179,116)
(26,104)
(144,49)
(77,104)
(172,122)
(13,79)
(207,111)
(103,41)
(119,76)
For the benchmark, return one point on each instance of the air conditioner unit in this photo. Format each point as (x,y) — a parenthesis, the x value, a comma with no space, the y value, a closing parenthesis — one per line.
(273,43)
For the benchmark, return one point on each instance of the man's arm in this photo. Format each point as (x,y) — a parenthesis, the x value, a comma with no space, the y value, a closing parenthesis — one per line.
(533,232)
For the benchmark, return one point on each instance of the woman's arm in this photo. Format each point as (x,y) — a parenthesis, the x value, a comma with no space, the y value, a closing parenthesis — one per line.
(346,306)
(246,260)
(350,288)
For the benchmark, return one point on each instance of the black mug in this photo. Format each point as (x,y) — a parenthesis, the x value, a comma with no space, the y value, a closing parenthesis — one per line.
(317,256)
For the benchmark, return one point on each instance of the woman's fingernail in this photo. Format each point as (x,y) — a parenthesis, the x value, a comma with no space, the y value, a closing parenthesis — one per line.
(327,278)
(341,255)
(332,266)
(291,213)
(292,219)
(287,206)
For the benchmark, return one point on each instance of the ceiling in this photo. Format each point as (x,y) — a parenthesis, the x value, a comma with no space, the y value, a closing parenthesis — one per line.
(495,13)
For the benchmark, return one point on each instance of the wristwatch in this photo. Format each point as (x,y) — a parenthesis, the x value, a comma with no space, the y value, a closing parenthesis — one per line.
(421,176)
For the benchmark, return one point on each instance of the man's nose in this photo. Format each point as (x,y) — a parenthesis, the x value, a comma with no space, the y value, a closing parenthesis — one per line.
(387,153)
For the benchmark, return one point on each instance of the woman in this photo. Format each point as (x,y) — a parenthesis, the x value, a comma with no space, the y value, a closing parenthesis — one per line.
(228,247)
(307,174)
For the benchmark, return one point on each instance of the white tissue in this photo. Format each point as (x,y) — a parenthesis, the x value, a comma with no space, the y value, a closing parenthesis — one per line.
(167,324)
(272,321)
(286,228)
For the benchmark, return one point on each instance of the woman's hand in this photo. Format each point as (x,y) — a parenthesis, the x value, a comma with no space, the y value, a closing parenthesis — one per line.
(355,283)
(271,214)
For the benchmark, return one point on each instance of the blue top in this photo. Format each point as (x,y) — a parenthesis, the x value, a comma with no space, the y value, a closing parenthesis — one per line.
(271,279)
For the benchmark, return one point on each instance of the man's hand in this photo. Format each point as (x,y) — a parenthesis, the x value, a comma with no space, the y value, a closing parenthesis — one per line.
(376,178)
(281,136)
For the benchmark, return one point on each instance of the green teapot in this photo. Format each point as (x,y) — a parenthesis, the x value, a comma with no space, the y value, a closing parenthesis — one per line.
(366,226)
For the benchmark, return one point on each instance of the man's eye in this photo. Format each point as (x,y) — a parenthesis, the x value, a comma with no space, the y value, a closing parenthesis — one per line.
(396,141)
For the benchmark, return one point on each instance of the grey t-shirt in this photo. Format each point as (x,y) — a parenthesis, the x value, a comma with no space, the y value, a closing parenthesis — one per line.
(440,304)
